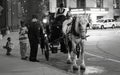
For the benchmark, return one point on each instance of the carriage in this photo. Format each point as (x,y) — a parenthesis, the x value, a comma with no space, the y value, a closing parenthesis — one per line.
(53,36)
(55,40)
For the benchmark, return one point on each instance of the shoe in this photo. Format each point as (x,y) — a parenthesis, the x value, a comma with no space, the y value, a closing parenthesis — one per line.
(34,60)
(25,58)
(8,54)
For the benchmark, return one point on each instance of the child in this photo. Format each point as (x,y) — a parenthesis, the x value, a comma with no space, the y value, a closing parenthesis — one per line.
(23,41)
(8,46)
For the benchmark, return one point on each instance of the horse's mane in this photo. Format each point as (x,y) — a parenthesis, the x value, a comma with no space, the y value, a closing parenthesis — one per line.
(73,27)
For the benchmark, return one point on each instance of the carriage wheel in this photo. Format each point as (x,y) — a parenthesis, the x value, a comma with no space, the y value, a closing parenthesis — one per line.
(46,52)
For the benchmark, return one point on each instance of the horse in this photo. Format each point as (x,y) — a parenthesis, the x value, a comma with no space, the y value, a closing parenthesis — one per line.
(75,35)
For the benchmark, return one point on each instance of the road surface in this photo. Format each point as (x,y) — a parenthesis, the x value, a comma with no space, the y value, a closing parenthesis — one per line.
(102,57)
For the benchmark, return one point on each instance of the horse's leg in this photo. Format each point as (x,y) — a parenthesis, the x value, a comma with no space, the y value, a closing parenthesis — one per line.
(82,56)
(69,61)
(42,51)
(69,47)
(75,66)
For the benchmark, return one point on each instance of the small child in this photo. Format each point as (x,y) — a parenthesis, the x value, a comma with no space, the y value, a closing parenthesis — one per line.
(23,41)
(9,46)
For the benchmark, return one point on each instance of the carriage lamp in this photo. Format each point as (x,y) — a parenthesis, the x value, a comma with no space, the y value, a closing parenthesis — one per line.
(45,35)
(45,20)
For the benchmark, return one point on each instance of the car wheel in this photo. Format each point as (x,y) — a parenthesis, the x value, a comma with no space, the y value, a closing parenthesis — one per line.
(113,26)
(102,27)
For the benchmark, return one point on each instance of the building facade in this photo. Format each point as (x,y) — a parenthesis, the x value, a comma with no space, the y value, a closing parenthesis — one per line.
(97,9)
(12,12)
(3,12)
(9,15)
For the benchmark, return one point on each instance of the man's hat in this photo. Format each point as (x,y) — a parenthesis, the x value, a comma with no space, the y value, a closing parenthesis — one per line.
(34,18)
(61,5)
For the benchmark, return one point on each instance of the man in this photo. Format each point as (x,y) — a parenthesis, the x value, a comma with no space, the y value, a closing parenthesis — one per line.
(60,13)
(60,10)
(34,31)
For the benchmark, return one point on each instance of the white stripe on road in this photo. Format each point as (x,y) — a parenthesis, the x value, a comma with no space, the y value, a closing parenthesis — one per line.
(114,60)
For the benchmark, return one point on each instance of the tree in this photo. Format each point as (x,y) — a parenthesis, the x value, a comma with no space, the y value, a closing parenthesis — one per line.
(38,7)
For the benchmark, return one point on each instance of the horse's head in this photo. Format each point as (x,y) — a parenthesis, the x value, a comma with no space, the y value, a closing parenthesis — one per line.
(80,24)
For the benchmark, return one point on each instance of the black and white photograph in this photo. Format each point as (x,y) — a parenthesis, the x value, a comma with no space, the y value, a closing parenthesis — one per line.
(59,37)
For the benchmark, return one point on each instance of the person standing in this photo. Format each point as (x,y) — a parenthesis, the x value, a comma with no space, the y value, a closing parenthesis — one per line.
(34,37)
(23,39)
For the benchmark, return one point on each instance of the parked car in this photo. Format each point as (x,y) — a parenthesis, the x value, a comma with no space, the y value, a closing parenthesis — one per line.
(104,23)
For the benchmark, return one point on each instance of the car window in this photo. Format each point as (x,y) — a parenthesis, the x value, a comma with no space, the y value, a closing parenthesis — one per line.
(109,20)
(113,20)
(105,21)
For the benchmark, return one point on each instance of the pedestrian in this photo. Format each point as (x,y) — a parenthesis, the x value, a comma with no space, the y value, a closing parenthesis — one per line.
(34,37)
(9,46)
(23,40)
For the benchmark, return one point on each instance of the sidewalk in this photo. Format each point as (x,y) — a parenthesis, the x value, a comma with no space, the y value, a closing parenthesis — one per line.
(13,65)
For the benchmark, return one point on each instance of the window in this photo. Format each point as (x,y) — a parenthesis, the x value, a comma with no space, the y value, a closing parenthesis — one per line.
(99,17)
(116,4)
(105,21)
(61,1)
(110,20)
(81,3)
(99,3)
(116,17)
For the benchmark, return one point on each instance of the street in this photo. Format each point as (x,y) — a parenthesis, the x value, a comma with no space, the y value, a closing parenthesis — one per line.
(106,42)
(102,57)
(101,54)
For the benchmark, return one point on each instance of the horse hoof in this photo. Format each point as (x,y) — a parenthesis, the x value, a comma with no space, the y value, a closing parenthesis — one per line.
(75,68)
(82,67)
(69,62)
